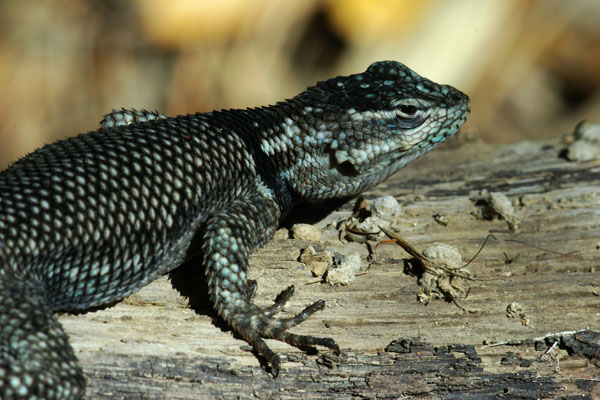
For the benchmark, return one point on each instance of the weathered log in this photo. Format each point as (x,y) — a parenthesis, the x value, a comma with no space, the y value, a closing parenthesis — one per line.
(153,346)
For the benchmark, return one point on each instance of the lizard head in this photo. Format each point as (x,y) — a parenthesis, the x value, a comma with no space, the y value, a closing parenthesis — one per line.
(374,123)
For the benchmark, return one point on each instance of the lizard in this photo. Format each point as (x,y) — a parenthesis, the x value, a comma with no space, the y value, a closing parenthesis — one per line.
(91,219)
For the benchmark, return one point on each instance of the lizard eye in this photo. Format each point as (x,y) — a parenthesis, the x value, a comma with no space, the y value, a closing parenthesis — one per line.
(410,114)
(407,110)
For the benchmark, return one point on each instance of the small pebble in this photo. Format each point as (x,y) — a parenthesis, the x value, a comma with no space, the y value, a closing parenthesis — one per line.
(586,146)
(385,207)
(306,232)
(281,234)
(345,270)
(514,310)
(317,262)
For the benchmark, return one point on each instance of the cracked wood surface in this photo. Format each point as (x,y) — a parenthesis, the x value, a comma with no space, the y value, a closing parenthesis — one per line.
(152,345)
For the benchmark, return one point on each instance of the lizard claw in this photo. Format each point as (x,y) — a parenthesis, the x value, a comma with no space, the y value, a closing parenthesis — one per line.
(260,325)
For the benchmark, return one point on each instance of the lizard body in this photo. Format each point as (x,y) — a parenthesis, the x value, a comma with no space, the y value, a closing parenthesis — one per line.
(89,220)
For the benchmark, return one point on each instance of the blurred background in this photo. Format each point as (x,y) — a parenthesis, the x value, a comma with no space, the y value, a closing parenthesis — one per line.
(531,67)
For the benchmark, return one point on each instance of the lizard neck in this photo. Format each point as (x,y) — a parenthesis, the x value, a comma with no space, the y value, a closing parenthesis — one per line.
(296,139)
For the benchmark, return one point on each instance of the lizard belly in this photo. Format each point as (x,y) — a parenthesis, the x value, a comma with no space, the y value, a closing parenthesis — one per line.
(110,282)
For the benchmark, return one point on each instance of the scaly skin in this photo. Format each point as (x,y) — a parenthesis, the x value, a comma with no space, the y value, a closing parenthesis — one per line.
(89,220)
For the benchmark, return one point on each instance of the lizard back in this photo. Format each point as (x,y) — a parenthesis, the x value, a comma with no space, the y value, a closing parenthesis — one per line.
(97,216)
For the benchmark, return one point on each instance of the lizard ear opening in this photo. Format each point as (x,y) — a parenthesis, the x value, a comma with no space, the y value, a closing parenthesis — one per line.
(344,167)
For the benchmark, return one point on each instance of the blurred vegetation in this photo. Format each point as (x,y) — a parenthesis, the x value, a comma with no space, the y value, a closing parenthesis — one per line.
(531,67)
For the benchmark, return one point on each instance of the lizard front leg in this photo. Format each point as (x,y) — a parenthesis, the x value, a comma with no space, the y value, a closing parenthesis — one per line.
(229,237)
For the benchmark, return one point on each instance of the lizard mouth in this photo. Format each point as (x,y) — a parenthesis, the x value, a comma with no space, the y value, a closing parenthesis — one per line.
(356,160)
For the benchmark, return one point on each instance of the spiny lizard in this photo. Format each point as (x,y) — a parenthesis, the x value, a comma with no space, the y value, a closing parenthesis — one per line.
(89,220)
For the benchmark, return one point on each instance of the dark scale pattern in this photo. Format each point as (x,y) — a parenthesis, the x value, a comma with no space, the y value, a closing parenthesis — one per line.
(35,356)
(89,220)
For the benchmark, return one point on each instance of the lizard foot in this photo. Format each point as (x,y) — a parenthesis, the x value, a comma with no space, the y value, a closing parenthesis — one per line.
(261,326)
